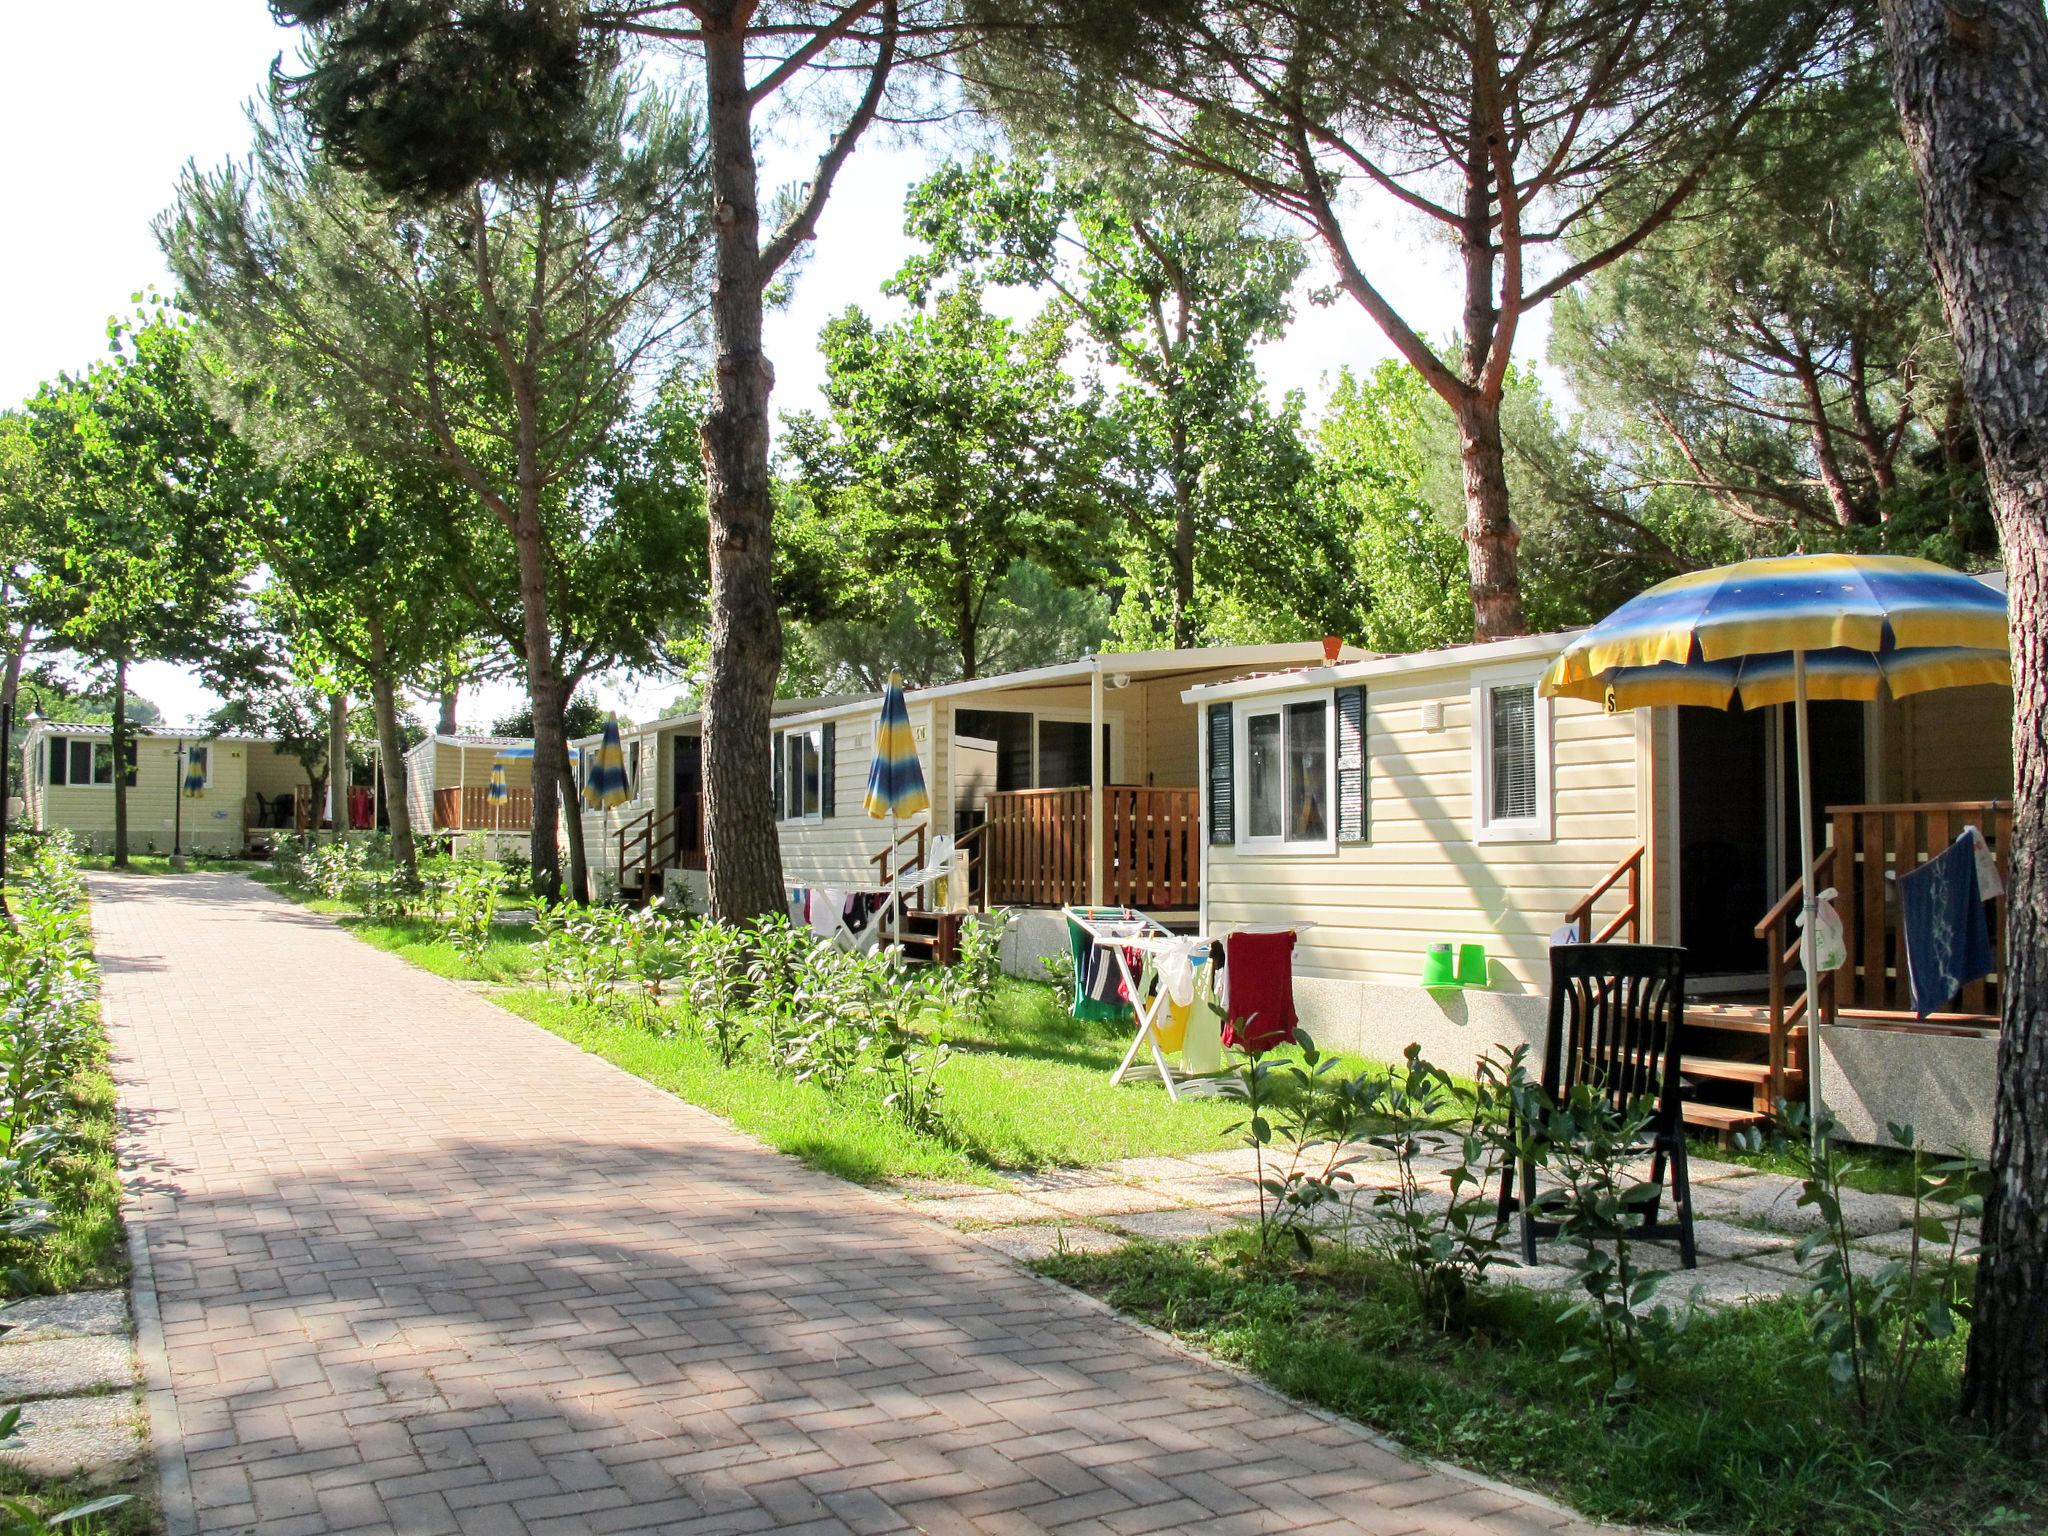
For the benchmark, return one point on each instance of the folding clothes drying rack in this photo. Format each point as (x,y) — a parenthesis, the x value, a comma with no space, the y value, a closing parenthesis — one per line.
(1123,930)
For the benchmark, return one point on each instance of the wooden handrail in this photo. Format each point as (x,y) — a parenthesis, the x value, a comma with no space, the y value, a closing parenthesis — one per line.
(1823,864)
(1630,866)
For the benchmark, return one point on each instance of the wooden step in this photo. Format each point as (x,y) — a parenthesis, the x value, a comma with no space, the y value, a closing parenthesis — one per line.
(1736,1019)
(1722,1118)
(1724,1070)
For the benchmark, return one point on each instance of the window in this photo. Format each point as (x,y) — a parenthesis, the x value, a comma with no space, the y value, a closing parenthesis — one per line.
(1010,730)
(632,769)
(80,762)
(1510,757)
(1288,775)
(1063,754)
(800,796)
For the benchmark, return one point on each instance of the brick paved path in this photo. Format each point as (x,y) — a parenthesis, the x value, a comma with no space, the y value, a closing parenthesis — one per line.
(423,1267)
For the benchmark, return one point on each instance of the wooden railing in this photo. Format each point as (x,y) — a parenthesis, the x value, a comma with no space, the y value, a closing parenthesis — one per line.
(469,808)
(649,842)
(1630,868)
(1869,846)
(1037,844)
(1782,959)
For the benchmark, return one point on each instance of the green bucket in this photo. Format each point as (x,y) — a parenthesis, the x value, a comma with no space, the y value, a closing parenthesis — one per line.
(1472,971)
(1439,966)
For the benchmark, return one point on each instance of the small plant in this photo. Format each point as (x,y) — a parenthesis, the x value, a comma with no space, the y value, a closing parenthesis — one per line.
(717,987)
(1444,1245)
(1590,1146)
(550,930)
(593,955)
(1873,1331)
(658,955)
(1059,972)
(970,984)
(907,1059)
(473,897)
(1319,1117)
(336,868)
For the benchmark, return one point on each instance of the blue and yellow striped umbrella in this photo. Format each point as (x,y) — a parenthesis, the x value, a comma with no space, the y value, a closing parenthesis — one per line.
(607,786)
(1791,629)
(499,789)
(895,777)
(195,774)
(1864,625)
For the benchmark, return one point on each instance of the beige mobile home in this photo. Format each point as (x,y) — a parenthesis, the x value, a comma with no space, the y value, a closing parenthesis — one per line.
(448,789)
(1398,801)
(1070,783)
(247,787)
(652,847)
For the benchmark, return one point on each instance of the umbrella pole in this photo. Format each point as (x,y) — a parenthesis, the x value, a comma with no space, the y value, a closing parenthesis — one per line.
(1809,901)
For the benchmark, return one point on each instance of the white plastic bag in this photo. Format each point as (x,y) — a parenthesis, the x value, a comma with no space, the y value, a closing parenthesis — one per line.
(1830,950)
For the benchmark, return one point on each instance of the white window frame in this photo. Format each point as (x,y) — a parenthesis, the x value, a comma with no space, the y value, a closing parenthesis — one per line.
(1487,828)
(1241,771)
(815,734)
(93,780)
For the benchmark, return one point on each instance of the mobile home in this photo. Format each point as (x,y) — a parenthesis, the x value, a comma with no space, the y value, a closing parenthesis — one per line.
(1399,801)
(246,787)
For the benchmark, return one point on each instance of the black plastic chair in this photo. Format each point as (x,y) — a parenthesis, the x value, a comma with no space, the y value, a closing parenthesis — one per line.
(1616,1014)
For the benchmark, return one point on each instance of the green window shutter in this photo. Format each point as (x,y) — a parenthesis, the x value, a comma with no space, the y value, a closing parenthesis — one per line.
(1354,815)
(60,758)
(1222,797)
(775,768)
(828,766)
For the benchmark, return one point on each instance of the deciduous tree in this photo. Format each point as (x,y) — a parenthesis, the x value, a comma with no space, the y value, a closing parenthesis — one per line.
(143,492)
(953,448)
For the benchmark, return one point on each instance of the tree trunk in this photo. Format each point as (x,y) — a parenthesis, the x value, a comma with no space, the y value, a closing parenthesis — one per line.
(1183,541)
(121,762)
(1491,537)
(1972,91)
(390,750)
(445,726)
(743,857)
(545,691)
(572,825)
(337,763)
(17,656)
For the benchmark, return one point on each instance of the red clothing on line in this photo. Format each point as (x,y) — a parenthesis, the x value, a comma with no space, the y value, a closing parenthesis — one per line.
(1261,971)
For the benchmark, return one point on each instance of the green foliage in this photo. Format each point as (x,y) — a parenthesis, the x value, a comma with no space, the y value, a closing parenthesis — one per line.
(1875,1331)
(1589,1146)
(1443,1245)
(1779,359)
(1318,1115)
(1172,281)
(581,716)
(952,448)
(47,1027)
(1738,1432)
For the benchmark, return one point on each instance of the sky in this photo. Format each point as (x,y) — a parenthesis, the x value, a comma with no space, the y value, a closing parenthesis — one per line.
(100,122)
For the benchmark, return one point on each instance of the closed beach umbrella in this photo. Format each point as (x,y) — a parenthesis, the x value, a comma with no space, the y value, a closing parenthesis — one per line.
(1786,630)
(499,791)
(607,786)
(195,774)
(895,777)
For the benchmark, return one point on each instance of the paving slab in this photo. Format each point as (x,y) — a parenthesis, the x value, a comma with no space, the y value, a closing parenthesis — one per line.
(66,1316)
(1106,1200)
(93,1440)
(1030,1243)
(422,1266)
(1863,1214)
(1173,1226)
(63,1367)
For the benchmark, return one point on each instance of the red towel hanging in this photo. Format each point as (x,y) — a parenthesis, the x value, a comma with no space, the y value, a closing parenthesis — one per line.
(1261,969)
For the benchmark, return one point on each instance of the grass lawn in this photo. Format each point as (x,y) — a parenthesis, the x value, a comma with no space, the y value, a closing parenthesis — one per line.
(1030,1091)
(83,1246)
(160,864)
(1737,1433)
